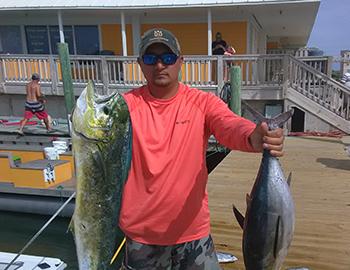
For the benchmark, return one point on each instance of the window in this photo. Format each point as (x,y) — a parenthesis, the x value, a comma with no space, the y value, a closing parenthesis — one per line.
(55,38)
(10,39)
(81,39)
(37,39)
(272,110)
(87,39)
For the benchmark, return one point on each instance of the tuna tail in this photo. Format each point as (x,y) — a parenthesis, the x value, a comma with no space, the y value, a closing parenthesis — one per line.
(273,123)
(239,216)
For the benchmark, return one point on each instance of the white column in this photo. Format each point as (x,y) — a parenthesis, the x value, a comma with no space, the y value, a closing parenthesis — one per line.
(60,26)
(210,52)
(249,36)
(125,51)
(136,33)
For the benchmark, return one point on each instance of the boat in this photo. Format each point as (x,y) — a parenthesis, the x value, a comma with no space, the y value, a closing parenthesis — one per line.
(24,262)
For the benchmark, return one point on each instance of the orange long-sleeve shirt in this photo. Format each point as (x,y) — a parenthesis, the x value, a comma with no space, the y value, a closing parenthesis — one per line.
(165,201)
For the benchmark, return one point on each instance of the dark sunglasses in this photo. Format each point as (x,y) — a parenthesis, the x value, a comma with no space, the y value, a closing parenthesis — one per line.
(166,58)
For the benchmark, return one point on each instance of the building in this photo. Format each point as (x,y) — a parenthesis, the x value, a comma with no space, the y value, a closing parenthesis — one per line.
(91,27)
(265,35)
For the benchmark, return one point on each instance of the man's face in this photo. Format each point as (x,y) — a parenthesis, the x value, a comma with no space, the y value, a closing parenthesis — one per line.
(218,37)
(160,74)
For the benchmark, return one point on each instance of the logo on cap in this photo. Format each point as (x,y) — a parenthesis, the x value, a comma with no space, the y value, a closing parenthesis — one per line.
(158,33)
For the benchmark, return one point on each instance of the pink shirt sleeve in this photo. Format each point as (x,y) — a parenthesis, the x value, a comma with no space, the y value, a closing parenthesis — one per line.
(228,128)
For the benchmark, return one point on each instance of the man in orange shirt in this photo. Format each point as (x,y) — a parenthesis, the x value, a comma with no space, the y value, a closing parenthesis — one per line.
(165,214)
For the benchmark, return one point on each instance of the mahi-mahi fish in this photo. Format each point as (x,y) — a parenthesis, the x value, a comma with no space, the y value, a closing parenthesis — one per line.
(268,225)
(101,137)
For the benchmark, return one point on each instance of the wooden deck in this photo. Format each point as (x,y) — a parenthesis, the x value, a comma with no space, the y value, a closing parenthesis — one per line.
(321,191)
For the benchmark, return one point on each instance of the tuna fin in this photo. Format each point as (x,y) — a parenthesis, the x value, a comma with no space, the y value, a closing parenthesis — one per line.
(280,119)
(289,180)
(276,246)
(239,216)
(248,199)
(255,113)
(273,123)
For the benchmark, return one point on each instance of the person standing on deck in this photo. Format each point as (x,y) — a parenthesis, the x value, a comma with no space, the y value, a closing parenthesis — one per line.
(219,46)
(164,213)
(34,104)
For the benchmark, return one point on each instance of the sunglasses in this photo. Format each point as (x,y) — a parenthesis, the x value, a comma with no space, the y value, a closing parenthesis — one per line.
(166,59)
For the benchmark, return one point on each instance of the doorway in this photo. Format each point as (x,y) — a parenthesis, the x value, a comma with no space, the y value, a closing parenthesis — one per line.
(298,120)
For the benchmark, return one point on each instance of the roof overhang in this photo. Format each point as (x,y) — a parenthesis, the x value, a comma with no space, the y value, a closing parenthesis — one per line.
(133,4)
(289,20)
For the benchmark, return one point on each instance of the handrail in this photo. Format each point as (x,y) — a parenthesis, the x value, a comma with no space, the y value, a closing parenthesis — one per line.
(319,88)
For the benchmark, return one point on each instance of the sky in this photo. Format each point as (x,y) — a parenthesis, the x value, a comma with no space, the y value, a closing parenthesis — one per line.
(331,31)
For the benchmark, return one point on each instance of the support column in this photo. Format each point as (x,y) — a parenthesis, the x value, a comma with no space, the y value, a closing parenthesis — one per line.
(125,50)
(210,52)
(60,26)
(136,33)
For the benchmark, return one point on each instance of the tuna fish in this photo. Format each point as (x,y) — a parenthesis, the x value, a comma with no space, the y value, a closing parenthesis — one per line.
(101,137)
(268,224)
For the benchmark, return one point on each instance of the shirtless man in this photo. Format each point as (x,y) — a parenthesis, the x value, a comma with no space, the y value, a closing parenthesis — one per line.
(34,104)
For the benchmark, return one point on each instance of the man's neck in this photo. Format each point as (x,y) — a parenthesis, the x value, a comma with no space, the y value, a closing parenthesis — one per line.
(160,92)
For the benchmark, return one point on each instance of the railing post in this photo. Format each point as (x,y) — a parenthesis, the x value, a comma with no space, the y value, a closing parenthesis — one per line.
(220,73)
(236,84)
(329,66)
(105,77)
(2,76)
(285,75)
(54,75)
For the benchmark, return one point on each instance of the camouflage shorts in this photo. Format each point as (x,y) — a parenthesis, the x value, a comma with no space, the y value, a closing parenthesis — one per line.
(195,255)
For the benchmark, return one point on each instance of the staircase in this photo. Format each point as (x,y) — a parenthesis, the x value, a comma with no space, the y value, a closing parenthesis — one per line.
(318,94)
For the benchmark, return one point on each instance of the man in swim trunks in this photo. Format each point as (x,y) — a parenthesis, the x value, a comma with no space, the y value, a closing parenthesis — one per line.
(34,104)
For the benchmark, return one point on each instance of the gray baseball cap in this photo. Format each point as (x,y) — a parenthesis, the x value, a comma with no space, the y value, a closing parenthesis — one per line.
(159,35)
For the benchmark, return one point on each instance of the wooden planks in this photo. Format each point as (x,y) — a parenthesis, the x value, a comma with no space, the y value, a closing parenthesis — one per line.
(321,191)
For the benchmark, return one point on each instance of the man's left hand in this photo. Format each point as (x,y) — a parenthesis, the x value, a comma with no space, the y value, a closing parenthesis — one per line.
(263,138)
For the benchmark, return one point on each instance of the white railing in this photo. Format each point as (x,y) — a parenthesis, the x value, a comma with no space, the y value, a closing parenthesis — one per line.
(209,73)
(315,85)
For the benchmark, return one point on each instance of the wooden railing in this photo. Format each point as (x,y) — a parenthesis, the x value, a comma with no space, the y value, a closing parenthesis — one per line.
(318,87)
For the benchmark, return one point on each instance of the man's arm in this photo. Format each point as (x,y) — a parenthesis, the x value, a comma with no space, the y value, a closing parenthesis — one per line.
(40,97)
(239,133)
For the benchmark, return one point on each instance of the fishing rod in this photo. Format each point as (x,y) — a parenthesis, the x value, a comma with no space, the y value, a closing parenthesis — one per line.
(41,230)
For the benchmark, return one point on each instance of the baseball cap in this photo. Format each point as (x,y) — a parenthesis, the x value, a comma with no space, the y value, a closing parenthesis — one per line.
(159,35)
(35,76)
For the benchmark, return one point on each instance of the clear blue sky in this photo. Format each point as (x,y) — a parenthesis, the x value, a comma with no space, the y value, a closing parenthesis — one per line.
(331,31)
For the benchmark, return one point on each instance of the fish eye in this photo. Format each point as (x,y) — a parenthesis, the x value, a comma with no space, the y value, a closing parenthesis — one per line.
(106,110)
